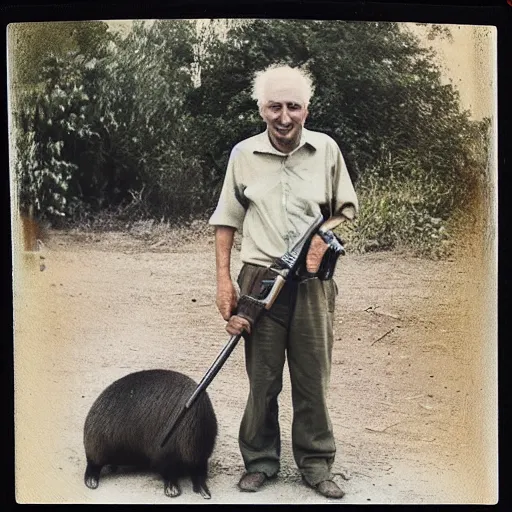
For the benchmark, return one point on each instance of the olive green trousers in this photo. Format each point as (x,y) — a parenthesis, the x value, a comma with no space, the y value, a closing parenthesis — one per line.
(299,328)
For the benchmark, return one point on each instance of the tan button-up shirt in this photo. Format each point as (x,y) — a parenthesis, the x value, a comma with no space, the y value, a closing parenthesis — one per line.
(272,197)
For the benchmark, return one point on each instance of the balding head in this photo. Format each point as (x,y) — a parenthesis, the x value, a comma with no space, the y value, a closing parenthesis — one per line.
(283,95)
(282,83)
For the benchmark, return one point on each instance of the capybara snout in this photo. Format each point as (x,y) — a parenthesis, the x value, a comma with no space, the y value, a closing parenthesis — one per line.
(129,420)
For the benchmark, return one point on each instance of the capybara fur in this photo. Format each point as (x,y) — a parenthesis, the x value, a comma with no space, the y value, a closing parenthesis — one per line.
(129,420)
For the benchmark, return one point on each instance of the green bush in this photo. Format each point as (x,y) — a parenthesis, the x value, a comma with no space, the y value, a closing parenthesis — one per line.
(43,177)
(142,127)
(400,212)
(61,148)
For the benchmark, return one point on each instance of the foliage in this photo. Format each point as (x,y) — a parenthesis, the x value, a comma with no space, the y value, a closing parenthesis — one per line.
(148,78)
(386,87)
(437,31)
(144,125)
(33,43)
(120,137)
(398,211)
(416,154)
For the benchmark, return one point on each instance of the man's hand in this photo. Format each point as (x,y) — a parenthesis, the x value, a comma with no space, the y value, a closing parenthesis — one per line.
(238,324)
(226,298)
(315,254)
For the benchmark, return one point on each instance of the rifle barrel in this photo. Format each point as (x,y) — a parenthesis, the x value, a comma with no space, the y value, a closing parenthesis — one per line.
(173,426)
(214,368)
(204,383)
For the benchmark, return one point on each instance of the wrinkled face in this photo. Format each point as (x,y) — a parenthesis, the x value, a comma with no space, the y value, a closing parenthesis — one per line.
(285,114)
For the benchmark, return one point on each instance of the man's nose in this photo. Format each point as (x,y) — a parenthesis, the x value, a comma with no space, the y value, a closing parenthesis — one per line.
(285,116)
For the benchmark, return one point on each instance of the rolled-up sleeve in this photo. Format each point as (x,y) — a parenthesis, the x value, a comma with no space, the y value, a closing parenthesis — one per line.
(231,207)
(345,201)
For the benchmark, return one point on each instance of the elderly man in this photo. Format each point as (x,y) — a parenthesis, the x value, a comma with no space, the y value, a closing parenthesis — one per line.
(276,183)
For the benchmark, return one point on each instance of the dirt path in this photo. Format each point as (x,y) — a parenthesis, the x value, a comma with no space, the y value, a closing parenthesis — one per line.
(412,395)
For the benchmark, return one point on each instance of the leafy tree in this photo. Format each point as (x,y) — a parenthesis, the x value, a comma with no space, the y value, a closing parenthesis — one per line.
(145,124)
(31,43)
(117,120)
(61,151)
(377,92)
(152,75)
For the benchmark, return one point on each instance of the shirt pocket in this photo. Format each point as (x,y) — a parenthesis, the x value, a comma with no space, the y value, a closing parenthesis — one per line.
(308,186)
(260,191)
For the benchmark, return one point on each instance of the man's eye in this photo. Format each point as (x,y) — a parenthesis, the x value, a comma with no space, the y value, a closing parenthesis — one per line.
(274,108)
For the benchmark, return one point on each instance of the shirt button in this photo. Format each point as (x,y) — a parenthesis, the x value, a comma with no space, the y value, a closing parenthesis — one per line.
(291,236)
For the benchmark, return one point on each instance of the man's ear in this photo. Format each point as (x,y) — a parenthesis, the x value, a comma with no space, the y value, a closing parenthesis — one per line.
(305,116)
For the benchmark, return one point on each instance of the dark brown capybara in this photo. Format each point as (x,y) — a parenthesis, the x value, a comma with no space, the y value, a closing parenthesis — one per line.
(129,420)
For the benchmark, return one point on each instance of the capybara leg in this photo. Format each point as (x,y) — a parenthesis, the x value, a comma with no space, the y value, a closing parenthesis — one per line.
(199,485)
(172,488)
(199,482)
(92,475)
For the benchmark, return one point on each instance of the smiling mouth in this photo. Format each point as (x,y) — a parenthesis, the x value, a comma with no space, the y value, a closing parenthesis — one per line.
(283,131)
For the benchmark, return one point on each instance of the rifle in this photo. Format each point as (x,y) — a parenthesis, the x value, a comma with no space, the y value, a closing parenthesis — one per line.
(289,266)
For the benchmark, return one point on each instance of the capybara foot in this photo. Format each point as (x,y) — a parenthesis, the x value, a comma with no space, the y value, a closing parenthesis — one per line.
(203,491)
(172,489)
(199,486)
(92,475)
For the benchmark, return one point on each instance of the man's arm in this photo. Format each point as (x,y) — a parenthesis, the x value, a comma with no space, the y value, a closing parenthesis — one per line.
(318,247)
(227,218)
(345,206)
(226,293)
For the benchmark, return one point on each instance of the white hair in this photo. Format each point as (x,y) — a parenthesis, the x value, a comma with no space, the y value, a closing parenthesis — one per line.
(300,78)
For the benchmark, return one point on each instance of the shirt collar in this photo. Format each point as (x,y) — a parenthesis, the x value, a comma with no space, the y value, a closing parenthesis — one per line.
(263,144)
